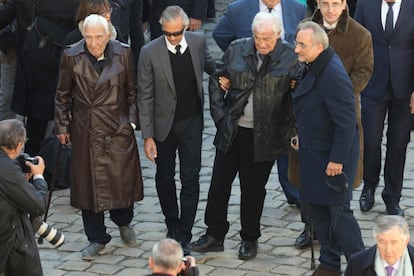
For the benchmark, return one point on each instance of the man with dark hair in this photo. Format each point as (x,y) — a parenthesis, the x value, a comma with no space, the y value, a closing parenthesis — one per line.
(170,101)
(18,200)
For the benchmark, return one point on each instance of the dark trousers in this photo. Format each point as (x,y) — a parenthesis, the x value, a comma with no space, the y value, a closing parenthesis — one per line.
(185,137)
(36,130)
(94,223)
(400,121)
(337,232)
(253,178)
(291,192)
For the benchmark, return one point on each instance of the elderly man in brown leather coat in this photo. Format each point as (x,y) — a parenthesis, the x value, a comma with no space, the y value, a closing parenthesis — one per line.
(96,110)
(353,44)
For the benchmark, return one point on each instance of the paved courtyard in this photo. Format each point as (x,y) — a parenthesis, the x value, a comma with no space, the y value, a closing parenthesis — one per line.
(280,222)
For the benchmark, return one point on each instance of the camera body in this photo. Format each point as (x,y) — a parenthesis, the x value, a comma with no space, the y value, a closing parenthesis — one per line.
(22,158)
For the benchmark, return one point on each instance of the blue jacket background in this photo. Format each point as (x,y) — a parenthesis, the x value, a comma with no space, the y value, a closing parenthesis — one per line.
(394,60)
(236,22)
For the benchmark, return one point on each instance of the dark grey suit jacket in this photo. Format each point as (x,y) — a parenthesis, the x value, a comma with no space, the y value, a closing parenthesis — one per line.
(157,97)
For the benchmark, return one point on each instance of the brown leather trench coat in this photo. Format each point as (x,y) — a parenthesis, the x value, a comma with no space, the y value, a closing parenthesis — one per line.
(97,109)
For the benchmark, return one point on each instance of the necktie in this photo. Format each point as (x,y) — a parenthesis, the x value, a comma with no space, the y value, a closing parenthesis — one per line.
(270,10)
(177,48)
(389,270)
(389,21)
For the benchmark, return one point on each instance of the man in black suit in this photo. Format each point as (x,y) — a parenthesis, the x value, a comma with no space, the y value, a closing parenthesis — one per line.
(387,94)
(170,103)
(392,255)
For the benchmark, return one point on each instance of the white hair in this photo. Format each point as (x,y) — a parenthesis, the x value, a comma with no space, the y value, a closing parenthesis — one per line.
(95,20)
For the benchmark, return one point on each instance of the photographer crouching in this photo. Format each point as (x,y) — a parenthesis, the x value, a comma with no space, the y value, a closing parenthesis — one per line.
(19,199)
(167,259)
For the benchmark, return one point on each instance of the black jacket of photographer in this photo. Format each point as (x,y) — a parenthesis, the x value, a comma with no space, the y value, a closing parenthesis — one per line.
(18,198)
(272,103)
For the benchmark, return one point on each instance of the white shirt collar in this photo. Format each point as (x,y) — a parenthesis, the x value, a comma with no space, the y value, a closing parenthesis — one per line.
(263,7)
(329,26)
(171,47)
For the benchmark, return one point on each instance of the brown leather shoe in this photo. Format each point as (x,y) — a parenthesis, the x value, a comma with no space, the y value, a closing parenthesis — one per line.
(320,271)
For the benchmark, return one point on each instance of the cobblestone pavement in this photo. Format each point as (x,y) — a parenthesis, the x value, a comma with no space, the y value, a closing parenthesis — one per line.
(280,222)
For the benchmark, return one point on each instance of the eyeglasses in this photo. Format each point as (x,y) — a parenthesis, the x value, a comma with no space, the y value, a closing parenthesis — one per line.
(301,45)
(105,12)
(174,33)
(334,5)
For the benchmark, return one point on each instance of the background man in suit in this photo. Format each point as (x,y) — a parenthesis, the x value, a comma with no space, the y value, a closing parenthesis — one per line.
(353,44)
(324,105)
(387,94)
(236,21)
(170,100)
(254,120)
(195,10)
(234,26)
(392,254)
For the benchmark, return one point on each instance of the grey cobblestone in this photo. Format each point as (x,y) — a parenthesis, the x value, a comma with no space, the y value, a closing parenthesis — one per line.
(280,222)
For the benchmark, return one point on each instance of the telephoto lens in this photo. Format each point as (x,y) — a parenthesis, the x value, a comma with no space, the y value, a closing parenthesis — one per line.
(47,232)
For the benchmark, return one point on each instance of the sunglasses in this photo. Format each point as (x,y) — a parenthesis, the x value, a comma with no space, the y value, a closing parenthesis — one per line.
(174,33)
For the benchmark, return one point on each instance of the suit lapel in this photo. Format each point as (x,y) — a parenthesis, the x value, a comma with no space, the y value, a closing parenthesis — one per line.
(405,12)
(165,64)
(195,58)
(305,85)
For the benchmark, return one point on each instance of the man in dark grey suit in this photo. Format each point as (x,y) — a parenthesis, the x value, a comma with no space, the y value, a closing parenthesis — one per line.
(170,100)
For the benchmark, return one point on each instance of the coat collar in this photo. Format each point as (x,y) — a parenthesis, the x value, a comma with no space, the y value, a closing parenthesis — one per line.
(82,66)
(317,66)
(343,20)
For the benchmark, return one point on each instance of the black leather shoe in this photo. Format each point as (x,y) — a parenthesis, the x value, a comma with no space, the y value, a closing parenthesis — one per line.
(248,250)
(367,199)
(304,239)
(394,209)
(206,243)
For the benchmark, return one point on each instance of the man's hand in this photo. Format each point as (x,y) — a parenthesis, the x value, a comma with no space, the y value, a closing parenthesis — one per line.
(412,103)
(150,149)
(333,169)
(195,24)
(36,169)
(224,83)
(64,138)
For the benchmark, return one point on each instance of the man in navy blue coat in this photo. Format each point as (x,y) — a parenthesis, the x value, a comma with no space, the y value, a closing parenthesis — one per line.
(328,147)
(387,93)
(237,23)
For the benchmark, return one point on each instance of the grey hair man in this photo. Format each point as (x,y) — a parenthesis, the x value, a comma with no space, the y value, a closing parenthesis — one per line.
(101,129)
(167,259)
(392,254)
(254,120)
(18,200)
(170,101)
